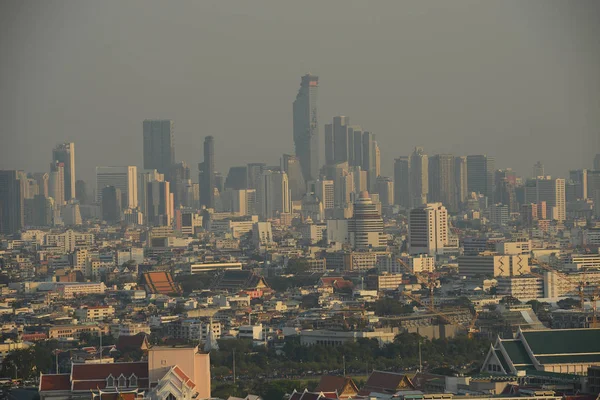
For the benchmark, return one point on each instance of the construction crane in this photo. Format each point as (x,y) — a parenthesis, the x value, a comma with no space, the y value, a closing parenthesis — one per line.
(430,282)
(430,308)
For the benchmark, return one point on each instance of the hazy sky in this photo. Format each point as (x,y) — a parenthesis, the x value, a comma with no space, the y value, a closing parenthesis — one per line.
(518,80)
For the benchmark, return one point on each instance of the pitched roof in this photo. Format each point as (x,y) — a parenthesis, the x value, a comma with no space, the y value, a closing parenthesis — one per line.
(517,352)
(184,378)
(93,376)
(160,282)
(563,341)
(55,382)
(386,382)
(132,341)
(335,385)
(239,280)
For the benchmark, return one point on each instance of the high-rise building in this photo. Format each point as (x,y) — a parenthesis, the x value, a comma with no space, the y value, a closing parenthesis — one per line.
(237,178)
(56,183)
(123,178)
(442,183)
(597,162)
(499,214)
(368,159)
(377,160)
(428,229)
(179,177)
(159,203)
(12,217)
(460,180)
(329,145)
(365,228)
(385,189)
(159,145)
(505,192)
(579,178)
(291,166)
(538,169)
(552,191)
(325,191)
(480,175)
(111,204)
(39,211)
(306,127)
(419,175)
(273,194)
(207,174)
(81,191)
(341,140)
(402,195)
(356,133)
(255,170)
(65,153)
(42,181)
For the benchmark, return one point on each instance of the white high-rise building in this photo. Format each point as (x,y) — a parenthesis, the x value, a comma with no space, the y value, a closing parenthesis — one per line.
(273,194)
(365,228)
(419,177)
(123,178)
(144,177)
(56,183)
(324,190)
(428,229)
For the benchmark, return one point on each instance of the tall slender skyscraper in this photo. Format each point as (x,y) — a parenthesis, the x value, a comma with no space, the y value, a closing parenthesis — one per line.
(341,140)
(419,176)
(11,203)
(207,174)
(329,145)
(460,180)
(368,159)
(480,175)
(56,183)
(65,153)
(402,195)
(159,145)
(306,127)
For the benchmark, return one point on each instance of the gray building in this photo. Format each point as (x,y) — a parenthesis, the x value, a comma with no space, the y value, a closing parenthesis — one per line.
(11,202)
(480,175)
(65,153)
(306,127)
(291,166)
(402,182)
(159,145)
(442,184)
(419,176)
(207,174)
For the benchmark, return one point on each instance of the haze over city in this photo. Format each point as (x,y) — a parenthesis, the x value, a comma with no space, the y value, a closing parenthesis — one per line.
(515,80)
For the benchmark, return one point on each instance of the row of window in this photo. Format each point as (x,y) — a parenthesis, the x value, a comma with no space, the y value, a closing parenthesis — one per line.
(121,381)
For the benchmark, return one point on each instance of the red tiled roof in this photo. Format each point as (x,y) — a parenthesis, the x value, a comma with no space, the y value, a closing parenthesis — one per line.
(93,376)
(160,282)
(55,382)
(310,396)
(185,379)
(384,382)
(133,341)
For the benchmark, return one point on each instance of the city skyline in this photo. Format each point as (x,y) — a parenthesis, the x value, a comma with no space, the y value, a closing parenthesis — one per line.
(419,116)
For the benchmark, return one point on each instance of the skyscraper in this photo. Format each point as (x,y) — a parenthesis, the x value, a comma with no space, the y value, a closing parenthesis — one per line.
(56,183)
(552,191)
(207,174)
(419,176)
(65,153)
(341,140)
(480,175)
(273,194)
(368,159)
(237,178)
(460,180)
(329,145)
(81,191)
(291,166)
(428,229)
(179,178)
(122,178)
(306,127)
(402,195)
(159,203)
(442,185)
(385,188)
(111,204)
(538,169)
(42,180)
(159,145)
(255,170)
(11,202)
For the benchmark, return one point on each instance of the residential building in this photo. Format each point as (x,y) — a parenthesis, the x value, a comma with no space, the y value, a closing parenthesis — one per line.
(492,265)
(419,177)
(365,228)
(428,229)
(65,153)
(442,181)
(402,195)
(480,175)
(12,208)
(122,178)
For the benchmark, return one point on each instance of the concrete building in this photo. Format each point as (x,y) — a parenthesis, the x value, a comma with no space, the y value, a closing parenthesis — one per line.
(65,154)
(524,288)
(12,208)
(159,145)
(207,174)
(211,267)
(460,180)
(402,195)
(111,204)
(480,175)
(273,194)
(94,313)
(325,191)
(291,166)
(122,178)
(428,229)
(365,228)
(385,189)
(262,234)
(442,182)
(552,192)
(499,214)
(56,183)
(490,264)
(419,177)
(421,263)
(159,203)
(306,127)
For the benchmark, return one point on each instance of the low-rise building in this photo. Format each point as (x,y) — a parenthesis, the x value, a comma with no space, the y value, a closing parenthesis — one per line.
(94,313)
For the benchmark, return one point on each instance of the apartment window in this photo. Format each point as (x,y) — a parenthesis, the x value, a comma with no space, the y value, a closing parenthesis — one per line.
(110,381)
